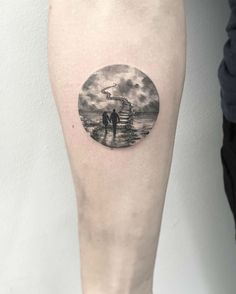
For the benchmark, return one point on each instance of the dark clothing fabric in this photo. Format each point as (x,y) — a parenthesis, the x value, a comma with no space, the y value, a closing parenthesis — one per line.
(228,156)
(227,77)
(227,69)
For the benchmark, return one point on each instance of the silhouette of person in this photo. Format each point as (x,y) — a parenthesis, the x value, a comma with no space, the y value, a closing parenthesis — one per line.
(105,119)
(114,118)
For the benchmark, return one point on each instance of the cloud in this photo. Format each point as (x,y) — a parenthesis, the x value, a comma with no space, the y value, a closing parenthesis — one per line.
(90,82)
(152,106)
(92,97)
(132,84)
(142,98)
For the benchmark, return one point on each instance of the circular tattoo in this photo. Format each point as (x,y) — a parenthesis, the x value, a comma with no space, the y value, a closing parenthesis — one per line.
(118,105)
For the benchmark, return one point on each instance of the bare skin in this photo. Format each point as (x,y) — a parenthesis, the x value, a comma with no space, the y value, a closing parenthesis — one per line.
(120,192)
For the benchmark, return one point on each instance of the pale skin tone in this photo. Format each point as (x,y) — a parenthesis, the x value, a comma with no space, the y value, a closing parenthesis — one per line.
(120,192)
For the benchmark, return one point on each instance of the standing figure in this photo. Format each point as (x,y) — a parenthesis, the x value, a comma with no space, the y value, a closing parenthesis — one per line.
(105,120)
(114,118)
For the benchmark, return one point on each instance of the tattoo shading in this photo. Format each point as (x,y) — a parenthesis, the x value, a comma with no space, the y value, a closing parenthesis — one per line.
(118,105)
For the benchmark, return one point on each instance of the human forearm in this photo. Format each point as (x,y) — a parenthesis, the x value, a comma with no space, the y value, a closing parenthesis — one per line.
(120,192)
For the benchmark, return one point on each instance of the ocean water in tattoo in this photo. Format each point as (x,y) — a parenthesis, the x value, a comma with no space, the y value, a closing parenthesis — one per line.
(118,105)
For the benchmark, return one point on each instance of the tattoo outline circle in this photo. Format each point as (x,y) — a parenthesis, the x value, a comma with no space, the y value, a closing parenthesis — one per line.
(118,105)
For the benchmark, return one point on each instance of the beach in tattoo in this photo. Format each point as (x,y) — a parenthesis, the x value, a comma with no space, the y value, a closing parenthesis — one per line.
(118,105)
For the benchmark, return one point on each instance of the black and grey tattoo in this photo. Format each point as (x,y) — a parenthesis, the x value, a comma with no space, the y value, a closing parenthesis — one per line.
(118,105)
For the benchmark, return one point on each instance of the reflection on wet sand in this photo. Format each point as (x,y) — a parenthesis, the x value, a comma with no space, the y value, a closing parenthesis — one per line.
(126,135)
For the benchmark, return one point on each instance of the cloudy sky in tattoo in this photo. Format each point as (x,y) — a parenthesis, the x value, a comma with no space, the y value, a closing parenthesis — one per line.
(118,105)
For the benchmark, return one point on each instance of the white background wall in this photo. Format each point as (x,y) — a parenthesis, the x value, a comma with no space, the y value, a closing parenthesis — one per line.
(38,237)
